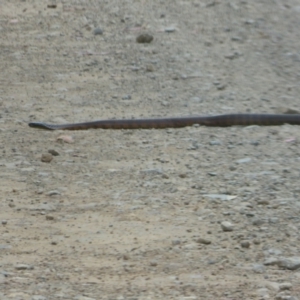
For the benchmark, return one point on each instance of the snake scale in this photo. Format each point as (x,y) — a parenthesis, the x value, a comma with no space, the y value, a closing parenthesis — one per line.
(217,121)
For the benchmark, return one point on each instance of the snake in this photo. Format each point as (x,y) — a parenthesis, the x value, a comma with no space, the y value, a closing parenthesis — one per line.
(224,120)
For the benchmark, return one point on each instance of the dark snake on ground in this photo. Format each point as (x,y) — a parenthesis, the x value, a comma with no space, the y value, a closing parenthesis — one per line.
(159,123)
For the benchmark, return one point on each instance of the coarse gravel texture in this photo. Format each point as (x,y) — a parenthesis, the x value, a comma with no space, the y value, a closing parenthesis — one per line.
(191,213)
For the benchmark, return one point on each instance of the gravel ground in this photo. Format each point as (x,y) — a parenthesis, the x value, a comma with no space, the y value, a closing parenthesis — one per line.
(192,213)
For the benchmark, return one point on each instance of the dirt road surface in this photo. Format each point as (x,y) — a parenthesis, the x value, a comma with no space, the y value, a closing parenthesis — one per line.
(192,213)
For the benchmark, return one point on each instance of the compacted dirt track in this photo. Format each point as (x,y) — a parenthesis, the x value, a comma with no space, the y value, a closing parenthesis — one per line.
(188,213)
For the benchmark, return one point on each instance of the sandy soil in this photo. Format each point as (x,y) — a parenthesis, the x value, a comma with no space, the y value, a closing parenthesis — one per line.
(192,213)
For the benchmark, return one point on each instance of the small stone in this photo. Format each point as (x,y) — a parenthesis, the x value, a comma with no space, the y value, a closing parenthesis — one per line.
(47,157)
(98,31)
(256,241)
(271,285)
(53,193)
(290,263)
(153,263)
(274,251)
(243,160)
(274,220)
(203,241)
(258,222)
(263,292)
(233,55)
(223,197)
(271,261)
(285,286)
(284,296)
(43,207)
(149,68)
(170,29)
(126,97)
(195,99)
(245,244)
(4,222)
(144,38)
(215,143)
(262,202)
(49,218)
(176,242)
(65,138)
(212,173)
(23,267)
(226,226)
(255,143)
(52,5)
(53,152)
(258,268)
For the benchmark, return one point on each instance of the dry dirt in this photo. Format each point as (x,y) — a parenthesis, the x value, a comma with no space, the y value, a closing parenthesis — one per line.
(140,214)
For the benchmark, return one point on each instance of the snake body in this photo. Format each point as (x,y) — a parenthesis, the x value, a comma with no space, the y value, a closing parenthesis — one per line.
(217,121)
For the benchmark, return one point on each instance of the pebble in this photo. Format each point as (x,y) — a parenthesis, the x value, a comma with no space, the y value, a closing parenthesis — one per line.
(262,201)
(263,292)
(47,157)
(23,267)
(256,241)
(203,241)
(290,263)
(126,97)
(285,286)
(274,286)
(53,152)
(271,261)
(150,68)
(222,197)
(176,242)
(153,263)
(144,38)
(195,99)
(274,251)
(284,296)
(212,173)
(227,226)
(44,206)
(51,5)
(170,29)
(258,222)
(254,143)
(258,268)
(65,138)
(245,244)
(243,160)
(215,143)
(53,193)
(98,31)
